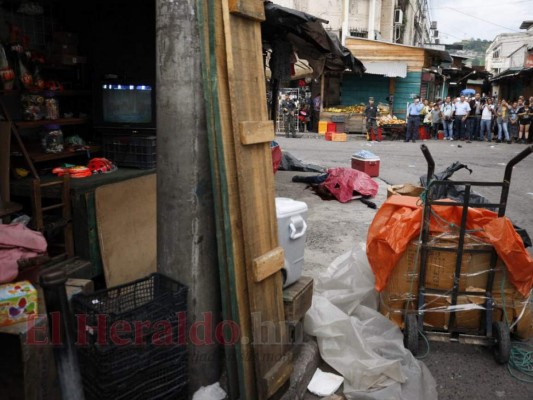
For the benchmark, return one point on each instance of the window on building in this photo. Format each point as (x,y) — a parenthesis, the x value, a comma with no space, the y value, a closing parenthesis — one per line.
(496,53)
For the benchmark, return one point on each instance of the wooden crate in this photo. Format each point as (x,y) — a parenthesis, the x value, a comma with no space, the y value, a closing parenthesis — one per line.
(297,299)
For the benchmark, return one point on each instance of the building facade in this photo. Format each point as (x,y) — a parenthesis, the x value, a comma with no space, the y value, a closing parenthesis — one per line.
(395,21)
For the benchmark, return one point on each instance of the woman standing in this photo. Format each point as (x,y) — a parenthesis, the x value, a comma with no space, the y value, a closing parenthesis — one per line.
(526,113)
(502,115)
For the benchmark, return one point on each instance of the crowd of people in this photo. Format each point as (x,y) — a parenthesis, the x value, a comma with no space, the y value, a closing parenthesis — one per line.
(472,118)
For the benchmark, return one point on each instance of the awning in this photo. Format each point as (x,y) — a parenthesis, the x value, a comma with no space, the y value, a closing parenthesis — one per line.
(508,73)
(392,69)
(440,55)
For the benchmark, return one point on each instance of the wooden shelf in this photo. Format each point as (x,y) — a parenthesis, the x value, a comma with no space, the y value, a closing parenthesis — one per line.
(37,156)
(61,121)
(73,92)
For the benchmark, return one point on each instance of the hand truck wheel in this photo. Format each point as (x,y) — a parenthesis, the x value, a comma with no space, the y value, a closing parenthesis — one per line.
(502,342)
(410,334)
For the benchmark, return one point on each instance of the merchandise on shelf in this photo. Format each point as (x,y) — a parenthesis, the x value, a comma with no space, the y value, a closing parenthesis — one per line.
(52,139)
(33,107)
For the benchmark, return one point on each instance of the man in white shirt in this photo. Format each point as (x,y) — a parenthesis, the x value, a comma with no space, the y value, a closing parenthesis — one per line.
(447,109)
(462,109)
(487,113)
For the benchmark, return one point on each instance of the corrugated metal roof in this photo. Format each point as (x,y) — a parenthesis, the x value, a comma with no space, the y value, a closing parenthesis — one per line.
(392,69)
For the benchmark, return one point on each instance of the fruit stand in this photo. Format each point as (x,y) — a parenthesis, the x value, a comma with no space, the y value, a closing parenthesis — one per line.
(353,115)
(392,127)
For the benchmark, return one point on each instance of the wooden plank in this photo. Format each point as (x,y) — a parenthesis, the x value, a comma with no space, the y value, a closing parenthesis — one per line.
(297,298)
(253,132)
(231,208)
(256,193)
(278,375)
(237,381)
(253,9)
(268,264)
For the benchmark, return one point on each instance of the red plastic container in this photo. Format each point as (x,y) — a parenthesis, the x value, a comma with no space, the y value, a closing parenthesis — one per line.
(329,135)
(369,166)
(331,127)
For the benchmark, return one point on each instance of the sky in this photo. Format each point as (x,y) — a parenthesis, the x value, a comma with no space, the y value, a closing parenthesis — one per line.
(483,19)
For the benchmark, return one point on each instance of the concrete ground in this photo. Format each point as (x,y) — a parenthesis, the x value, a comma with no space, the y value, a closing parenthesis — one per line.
(461,371)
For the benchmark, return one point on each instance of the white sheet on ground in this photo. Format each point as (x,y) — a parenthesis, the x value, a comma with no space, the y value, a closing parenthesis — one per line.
(361,344)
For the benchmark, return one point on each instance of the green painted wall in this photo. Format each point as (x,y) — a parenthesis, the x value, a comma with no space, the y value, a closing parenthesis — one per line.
(405,88)
(356,90)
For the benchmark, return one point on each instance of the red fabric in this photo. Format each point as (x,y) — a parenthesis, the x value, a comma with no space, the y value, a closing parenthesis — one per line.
(17,242)
(399,220)
(343,182)
(276,157)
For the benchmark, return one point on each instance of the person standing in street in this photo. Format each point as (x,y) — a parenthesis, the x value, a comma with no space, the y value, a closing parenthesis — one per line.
(525,115)
(371,119)
(288,108)
(413,120)
(315,116)
(502,115)
(475,105)
(447,109)
(462,109)
(513,122)
(487,113)
(436,118)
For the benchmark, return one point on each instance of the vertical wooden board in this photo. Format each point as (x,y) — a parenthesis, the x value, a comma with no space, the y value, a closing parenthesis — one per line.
(238,285)
(253,9)
(246,78)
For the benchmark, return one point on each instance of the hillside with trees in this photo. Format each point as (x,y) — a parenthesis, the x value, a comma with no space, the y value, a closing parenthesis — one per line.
(474,49)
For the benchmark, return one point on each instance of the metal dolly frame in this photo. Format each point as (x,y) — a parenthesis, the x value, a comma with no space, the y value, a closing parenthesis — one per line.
(490,333)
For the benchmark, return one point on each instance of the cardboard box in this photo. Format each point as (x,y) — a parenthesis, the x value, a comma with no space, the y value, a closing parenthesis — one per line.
(369,166)
(338,137)
(18,302)
(406,189)
(440,268)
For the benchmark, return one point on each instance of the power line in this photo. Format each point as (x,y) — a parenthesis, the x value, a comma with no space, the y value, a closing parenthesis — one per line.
(481,19)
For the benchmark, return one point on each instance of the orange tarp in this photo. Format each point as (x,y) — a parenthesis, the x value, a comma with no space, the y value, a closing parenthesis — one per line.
(399,220)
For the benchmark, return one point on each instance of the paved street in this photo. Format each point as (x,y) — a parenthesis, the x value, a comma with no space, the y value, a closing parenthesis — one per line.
(461,371)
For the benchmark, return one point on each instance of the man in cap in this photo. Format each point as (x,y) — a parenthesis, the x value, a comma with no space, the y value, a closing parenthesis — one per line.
(413,119)
(370,119)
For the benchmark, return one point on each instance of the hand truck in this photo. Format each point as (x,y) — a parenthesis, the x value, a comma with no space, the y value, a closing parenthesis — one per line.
(490,333)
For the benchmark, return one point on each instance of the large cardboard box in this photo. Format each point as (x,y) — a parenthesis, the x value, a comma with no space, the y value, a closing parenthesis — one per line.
(403,286)
(440,267)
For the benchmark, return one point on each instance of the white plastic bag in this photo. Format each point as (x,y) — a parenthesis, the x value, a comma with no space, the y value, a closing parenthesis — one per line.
(361,344)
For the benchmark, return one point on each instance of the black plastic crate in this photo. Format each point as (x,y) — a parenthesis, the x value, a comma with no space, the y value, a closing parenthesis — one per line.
(113,370)
(131,151)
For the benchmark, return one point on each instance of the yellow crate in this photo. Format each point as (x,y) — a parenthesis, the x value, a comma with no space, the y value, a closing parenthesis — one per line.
(322,127)
(338,137)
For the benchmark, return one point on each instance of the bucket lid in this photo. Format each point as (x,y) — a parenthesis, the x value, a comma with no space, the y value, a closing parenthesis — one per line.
(286,207)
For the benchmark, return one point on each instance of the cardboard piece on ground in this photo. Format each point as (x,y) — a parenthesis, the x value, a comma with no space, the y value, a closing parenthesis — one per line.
(406,189)
(126,220)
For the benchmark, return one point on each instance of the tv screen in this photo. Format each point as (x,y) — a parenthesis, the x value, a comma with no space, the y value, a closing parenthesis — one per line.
(127,104)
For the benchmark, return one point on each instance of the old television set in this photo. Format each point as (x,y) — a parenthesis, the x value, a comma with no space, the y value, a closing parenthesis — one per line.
(127,105)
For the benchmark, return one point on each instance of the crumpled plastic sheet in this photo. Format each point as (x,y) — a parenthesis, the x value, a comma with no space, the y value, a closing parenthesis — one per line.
(361,344)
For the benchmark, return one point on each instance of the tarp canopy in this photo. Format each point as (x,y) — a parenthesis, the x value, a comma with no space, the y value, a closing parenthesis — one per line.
(286,31)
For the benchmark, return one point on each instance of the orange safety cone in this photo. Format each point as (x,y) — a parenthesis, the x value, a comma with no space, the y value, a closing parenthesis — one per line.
(380,134)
